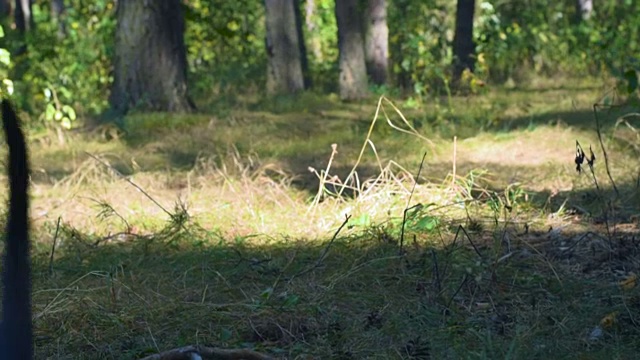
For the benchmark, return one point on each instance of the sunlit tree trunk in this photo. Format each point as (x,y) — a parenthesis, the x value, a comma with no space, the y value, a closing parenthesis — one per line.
(353,74)
(284,66)
(463,47)
(377,41)
(150,65)
(584,8)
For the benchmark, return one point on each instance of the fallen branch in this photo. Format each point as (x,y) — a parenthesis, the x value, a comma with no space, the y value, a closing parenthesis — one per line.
(194,352)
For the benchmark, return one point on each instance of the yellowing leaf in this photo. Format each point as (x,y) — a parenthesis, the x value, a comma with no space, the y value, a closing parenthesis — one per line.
(630,282)
(609,320)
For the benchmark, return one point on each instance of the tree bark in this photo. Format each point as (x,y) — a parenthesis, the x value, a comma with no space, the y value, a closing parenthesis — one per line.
(23,18)
(584,9)
(150,65)
(463,46)
(353,74)
(377,41)
(284,66)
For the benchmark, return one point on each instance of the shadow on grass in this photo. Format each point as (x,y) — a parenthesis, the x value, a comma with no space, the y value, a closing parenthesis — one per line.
(500,292)
(579,119)
(494,294)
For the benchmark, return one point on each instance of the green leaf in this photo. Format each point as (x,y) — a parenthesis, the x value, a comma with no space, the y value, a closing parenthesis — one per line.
(267,293)
(5,57)
(50,112)
(8,84)
(291,301)
(362,220)
(66,123)
(427,223)
(71,113)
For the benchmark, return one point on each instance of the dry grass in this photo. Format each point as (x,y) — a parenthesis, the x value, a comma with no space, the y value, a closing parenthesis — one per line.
(214,231)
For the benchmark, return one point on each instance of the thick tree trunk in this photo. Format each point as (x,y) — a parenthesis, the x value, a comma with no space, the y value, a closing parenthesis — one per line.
(284,66)
(150,67)
(463,46)
(584,8)
(377,41)
(353,73)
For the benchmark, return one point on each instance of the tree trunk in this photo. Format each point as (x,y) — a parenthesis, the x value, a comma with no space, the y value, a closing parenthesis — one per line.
(353,73)
(57,12)
(584,9)
(23,18)
(304,60)
(150,65)
(377,41)
(284,67)
(463,46)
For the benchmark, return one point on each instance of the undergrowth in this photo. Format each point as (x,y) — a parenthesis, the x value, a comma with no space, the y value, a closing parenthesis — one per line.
(465,250)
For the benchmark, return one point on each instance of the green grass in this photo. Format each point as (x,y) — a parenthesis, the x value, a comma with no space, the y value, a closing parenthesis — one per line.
(226,239)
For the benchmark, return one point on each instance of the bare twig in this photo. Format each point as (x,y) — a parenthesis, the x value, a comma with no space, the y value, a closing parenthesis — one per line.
(455,155)
(407,208)
(460,227)
(130,182)
(53,247)
(171,215)
(325,251)
(464,281)
(604,151)
(436,270)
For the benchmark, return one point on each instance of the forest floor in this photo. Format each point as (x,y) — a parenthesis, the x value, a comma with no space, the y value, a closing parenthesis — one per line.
(240,227)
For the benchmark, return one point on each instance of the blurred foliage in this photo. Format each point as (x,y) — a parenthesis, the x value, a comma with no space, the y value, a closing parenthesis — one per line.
(321,38)
(420,35)
(225,45)
(6,86)
(61,76)
(65,74)
(545,38)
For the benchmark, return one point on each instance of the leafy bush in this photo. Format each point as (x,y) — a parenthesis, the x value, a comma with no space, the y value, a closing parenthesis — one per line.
(421,33)
(70,73)
(225,44)
(544,36)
